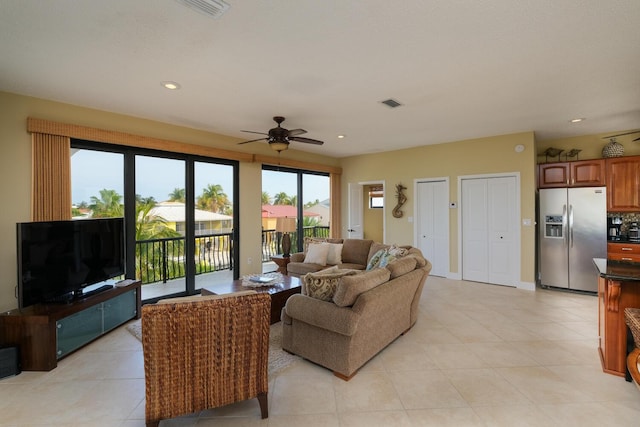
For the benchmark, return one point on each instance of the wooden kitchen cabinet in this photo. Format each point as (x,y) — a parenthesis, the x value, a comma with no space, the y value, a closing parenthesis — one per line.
(613,297)
(623,184)
(628,252)
(584,173)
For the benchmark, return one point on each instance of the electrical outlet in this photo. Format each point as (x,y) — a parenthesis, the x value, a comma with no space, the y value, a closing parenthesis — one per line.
(249,260)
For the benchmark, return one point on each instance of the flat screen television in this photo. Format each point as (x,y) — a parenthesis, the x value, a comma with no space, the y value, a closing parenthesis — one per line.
(57,259)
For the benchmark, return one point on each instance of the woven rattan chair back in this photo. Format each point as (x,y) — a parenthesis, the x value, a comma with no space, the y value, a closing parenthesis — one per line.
(205,354)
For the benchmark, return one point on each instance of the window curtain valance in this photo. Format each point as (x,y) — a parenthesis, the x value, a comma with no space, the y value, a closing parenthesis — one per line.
(50,177)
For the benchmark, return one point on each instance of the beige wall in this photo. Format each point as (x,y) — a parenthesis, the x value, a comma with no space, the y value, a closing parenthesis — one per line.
(15,172)
(490,155)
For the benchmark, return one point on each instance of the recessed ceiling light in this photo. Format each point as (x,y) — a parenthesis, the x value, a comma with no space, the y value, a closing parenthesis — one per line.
(340,136)
(577,120)
(170,85)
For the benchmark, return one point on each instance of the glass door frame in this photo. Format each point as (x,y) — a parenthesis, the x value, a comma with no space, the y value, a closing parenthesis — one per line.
(299,186)
(129,172)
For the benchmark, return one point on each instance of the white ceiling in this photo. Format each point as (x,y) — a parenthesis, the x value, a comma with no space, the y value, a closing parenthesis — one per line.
(461,68)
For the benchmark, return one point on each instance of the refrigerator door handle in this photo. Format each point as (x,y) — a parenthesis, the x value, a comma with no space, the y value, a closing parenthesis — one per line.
(565,235)
(571,226)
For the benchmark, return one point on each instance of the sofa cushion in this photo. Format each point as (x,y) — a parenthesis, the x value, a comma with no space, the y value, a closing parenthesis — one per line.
(356,251)
(350,287)
(317,254)
(420,260)
(322,285)
(401,266)
(334,256)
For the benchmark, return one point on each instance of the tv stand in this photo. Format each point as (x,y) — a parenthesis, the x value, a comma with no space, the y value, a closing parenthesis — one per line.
(46,333)
(80,294)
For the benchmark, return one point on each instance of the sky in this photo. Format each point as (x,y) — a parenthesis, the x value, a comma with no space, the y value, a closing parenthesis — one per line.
(92,171)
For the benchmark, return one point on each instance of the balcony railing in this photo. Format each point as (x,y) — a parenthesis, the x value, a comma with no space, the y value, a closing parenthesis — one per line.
(160,260)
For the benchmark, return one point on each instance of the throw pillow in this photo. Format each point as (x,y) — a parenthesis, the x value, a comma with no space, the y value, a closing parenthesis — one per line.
(309,240)
(381,259)
(350,287)
(322,285)
(398,251)
(373,262)
(317,254)
(335,253)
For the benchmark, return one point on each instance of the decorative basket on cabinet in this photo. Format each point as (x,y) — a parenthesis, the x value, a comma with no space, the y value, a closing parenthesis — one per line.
(613,149)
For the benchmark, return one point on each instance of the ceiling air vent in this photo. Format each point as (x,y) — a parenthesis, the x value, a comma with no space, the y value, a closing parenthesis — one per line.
(212,8)
(392,103)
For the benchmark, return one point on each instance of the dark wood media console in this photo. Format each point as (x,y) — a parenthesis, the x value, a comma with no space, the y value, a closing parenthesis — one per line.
(45,333)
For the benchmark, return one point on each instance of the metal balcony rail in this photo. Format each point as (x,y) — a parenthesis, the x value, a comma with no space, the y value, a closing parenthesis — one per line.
(160,260)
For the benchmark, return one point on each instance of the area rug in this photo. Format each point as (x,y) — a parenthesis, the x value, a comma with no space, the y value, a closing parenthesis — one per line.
(278,358)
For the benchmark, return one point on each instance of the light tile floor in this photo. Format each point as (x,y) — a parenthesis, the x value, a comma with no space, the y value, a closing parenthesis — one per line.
(479,355)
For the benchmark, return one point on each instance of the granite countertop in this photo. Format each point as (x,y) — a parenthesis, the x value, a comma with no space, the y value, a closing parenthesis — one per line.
(616,270)
(622,239)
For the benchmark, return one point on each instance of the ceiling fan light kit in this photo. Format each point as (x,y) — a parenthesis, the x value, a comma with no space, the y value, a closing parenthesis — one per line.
(279,137)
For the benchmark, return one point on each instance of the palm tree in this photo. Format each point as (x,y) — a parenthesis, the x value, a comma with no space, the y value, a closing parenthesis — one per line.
(214,199)
(108,205)
(178,195)
(150,226)
(310,221)
(281,198)
(266,199)
(309,204)
(145,200)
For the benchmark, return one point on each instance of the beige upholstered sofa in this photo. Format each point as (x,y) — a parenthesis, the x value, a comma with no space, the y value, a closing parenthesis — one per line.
(353,253)
(366,311)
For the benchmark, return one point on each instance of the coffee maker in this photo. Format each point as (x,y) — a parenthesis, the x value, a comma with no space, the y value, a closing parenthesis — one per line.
(613,226)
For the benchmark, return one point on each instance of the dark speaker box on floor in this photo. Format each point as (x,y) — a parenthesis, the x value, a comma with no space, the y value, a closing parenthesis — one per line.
(9,362)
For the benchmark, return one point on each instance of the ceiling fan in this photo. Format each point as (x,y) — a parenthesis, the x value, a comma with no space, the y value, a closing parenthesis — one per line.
(622,134)
(279,137)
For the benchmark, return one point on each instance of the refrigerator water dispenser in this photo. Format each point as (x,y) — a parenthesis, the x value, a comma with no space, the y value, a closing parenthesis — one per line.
(553,226)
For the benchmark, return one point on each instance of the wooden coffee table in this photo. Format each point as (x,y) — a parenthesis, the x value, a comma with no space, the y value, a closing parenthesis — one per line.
(280,291)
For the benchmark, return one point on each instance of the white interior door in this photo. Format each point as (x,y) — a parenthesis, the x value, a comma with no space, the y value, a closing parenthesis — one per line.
(432,224)
(475,253)
(354,229)
(502,230)
(489,230)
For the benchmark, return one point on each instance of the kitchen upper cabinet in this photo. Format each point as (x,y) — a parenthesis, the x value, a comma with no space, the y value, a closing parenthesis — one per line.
(584,173)
(623,184)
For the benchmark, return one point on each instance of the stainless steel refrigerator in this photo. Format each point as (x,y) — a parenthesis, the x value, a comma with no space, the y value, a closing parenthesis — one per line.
(572,231)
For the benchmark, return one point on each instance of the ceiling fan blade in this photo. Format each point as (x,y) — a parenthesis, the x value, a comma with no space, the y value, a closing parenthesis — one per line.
(251,131)
(296,132)
(253,140)
(307,140)
(621,134)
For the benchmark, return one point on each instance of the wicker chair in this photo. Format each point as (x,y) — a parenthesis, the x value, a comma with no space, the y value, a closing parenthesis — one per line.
(632,319)
(205,352)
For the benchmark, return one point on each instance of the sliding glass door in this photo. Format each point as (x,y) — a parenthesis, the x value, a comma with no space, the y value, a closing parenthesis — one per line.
(213,219)
(160,223)
(179,212)
(292,193)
